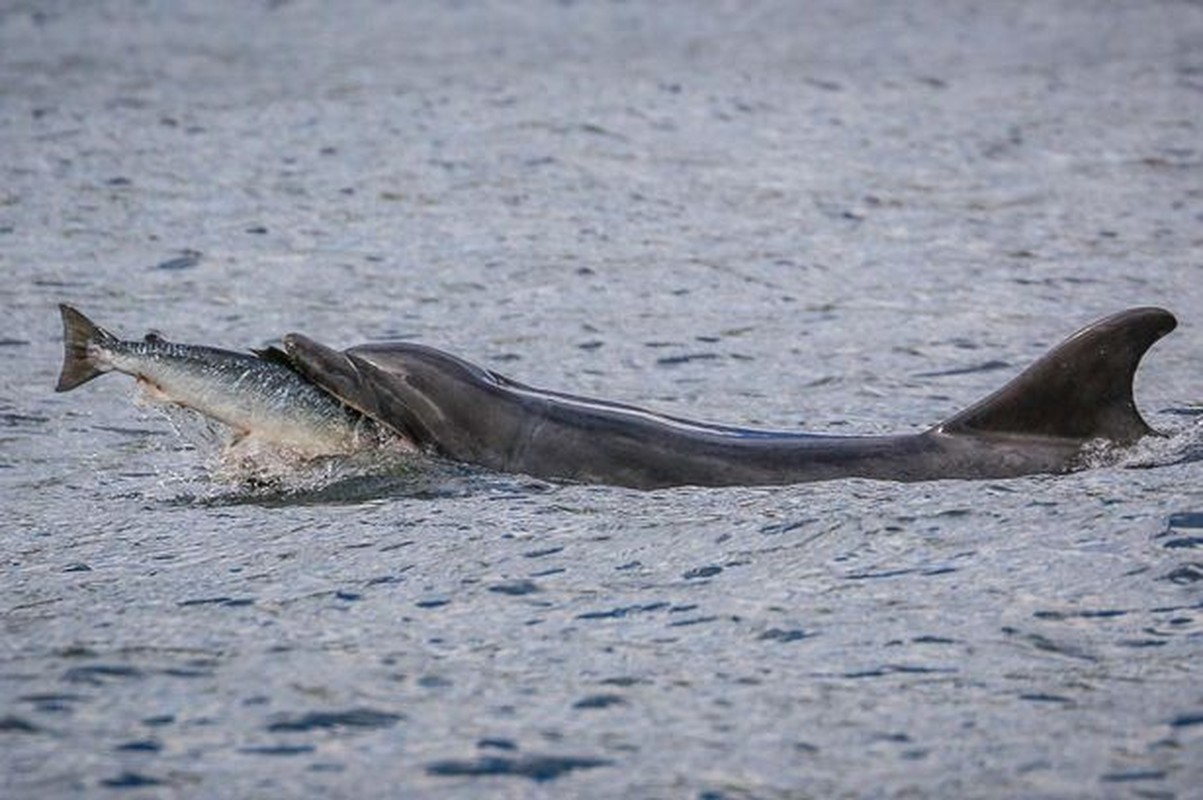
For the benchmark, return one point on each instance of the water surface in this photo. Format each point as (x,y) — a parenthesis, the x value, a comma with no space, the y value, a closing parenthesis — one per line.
(838,217)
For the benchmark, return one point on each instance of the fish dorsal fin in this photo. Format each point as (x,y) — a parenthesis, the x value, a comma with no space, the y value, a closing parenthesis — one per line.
(275,355)
(1081,389)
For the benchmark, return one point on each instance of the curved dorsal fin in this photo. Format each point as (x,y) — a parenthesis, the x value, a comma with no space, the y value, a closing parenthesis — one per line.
(1081,389)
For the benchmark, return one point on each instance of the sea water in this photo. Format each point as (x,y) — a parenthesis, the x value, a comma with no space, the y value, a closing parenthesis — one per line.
(832,217)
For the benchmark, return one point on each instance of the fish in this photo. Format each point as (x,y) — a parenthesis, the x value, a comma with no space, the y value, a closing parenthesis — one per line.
(1050,418)
(260,398)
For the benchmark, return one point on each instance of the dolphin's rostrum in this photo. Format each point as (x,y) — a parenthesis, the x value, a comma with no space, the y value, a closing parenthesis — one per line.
(1043,421)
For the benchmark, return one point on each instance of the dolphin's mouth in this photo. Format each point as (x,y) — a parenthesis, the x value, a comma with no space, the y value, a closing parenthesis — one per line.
(339,376)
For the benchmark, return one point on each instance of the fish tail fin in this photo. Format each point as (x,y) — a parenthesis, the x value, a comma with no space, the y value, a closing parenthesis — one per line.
(1081,389)
(79,366)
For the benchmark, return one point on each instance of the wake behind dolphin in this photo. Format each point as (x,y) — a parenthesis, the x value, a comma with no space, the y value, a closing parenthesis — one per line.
(1043,421)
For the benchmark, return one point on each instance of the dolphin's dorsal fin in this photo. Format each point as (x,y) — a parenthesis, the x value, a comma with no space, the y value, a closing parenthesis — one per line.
(1081,389)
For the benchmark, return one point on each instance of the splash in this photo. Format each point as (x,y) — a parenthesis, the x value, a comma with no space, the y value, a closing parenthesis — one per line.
(1097,454)
(246,469)
(254,472)
(1181,444)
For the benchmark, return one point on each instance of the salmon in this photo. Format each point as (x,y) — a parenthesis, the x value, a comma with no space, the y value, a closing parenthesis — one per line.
(259,397)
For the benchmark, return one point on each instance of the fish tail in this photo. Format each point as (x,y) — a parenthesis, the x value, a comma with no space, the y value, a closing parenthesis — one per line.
(80,366)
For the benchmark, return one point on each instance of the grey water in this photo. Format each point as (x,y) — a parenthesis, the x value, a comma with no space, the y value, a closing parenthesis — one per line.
(830,216)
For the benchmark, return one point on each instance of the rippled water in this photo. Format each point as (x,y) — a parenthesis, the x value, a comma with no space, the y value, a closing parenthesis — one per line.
(835,217)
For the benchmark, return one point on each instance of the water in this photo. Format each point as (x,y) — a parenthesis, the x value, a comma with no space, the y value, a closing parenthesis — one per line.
(840,217)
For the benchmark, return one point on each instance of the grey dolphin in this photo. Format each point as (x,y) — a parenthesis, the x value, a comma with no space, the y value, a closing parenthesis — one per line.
(1041,422)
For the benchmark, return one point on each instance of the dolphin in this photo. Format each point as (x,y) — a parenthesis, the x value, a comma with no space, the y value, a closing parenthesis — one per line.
(1045,420)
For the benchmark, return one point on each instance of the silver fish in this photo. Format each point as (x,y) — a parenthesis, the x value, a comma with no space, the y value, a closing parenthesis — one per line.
(261,399)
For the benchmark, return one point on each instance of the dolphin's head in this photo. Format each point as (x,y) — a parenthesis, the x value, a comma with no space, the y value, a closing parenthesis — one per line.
(352,381)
